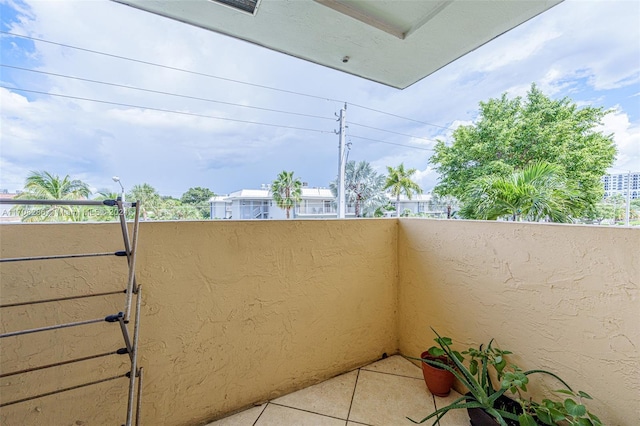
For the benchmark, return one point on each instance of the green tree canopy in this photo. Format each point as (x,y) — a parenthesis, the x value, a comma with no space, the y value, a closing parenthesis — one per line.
(513,133)
(286,190)
(199,197)
(150,200)
(364,188)
(537,192)
(47,186)
(399,182)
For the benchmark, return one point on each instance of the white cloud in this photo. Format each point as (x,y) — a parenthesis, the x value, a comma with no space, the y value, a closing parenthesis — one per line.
(577,48)
(627,138)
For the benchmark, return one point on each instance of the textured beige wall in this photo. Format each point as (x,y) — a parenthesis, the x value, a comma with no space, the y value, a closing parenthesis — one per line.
(234,313)
(563,298)
(238,312)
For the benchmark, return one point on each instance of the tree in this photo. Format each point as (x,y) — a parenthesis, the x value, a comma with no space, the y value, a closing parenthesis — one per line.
(150,201)
(46,186)
(105,214)
(199,197)
(511,134)
(444,203)
(287,191)
(173,209)
(399,181)
(537,192)
(364,188)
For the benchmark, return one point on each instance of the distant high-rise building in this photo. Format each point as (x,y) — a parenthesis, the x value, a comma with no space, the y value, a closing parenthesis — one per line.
(617,184)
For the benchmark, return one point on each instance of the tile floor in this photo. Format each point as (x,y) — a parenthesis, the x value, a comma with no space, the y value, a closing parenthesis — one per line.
(384,393)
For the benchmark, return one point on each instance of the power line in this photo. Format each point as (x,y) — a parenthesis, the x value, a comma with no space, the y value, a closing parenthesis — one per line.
(391,131)
(163,93)
(292,92)
(391,143)
(206,116)
(139,61)
(399,116)
(166,110)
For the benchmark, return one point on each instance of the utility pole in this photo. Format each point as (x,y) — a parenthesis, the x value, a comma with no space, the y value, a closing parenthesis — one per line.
(342,207)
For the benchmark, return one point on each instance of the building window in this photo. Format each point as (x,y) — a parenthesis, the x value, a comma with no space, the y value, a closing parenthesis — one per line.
(316,207)
(254,209)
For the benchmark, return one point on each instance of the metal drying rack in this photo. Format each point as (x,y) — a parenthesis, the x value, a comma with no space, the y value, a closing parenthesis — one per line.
(122,318)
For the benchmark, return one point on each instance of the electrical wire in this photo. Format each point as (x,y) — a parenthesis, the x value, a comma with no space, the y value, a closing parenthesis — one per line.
(163,93)
(391,143)
(292,92)
(391,131)
(166,110)
(400,116)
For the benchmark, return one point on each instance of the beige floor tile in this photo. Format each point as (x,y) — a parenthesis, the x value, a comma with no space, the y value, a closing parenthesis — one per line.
(396,364)
(276,415)
(244,418)
(387,400)
(331,397)
(454,417)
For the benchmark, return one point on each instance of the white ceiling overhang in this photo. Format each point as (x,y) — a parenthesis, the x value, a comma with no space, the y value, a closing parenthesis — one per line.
(394,42)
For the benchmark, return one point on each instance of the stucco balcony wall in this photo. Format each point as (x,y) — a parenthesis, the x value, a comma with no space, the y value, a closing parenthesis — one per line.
(238,312)
(233,313)
(563,298)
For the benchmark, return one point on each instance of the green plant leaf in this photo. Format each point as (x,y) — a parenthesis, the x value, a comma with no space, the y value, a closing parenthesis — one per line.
(574,408)
(473,367)
(556,415)
(434,351)
(584,395)
(596,420)
(526,419)
(584,422)
(544,416)
(565,392)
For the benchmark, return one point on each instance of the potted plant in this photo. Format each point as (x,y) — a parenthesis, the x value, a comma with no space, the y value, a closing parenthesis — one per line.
(438,380)
(488,405)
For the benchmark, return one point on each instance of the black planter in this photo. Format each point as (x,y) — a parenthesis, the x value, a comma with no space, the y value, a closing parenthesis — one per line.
(479,417)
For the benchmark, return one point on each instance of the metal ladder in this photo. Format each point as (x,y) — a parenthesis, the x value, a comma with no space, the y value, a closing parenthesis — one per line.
(122,318)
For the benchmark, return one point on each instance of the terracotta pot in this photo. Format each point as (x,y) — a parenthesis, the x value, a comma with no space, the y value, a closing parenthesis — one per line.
(439,381)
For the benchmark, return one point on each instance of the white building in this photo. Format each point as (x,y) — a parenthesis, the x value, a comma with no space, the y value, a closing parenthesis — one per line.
(259,204)
(618,184)
(316,203)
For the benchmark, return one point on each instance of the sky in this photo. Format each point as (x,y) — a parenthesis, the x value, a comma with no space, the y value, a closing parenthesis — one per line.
(588,50)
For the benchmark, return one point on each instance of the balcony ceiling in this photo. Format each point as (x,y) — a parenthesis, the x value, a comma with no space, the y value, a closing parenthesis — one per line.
(388,41)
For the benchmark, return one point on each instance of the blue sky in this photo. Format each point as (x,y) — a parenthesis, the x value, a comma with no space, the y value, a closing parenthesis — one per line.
(588,50)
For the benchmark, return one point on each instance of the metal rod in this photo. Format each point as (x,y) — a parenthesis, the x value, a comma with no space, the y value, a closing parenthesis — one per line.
(62,256)
(125,232)
(63,390)
(57,364)
(125,336)
(132,266)
(134,358)
(59,202)
(134,248)
(59,299)
(108,203)
(51,327)
(139,401)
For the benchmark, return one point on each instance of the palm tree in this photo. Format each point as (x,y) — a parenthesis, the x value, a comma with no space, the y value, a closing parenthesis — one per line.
(537,192)
(399,181)
(364,188)
(149,198)
(46,186)
(105,214)
(286,190)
